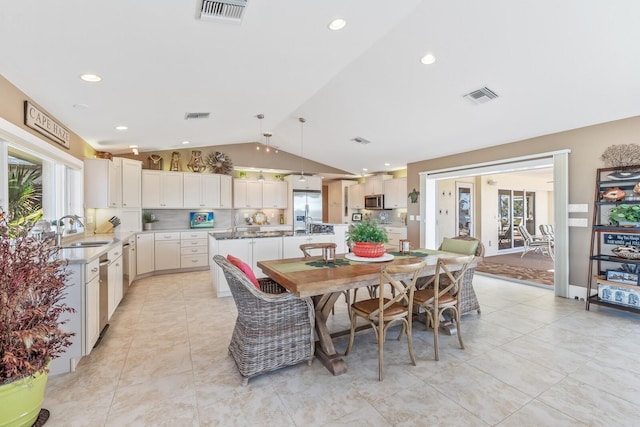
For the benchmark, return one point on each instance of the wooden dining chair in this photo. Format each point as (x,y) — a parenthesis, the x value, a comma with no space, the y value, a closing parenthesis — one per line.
(442,294)
(311,249)
(382,312)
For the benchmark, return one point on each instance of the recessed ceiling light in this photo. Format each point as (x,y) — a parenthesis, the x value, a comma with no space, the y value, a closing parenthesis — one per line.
(122,127)
(337,24)
(364,169)
(133,146)
(387,164)
(80,106)
(428,59)
(185,142)
(91,78)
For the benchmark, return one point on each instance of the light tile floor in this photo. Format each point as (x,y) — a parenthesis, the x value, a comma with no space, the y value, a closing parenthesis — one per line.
(530,360)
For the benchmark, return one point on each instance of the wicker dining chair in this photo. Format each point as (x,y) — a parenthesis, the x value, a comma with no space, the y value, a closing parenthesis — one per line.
(382,312)
(443,295)
(273,329)
(468,298)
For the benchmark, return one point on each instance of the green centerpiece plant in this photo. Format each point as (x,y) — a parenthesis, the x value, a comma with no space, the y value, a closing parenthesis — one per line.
(32,290)
(367,239)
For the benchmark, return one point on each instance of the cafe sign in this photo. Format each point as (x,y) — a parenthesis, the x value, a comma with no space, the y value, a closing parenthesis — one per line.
(41,122)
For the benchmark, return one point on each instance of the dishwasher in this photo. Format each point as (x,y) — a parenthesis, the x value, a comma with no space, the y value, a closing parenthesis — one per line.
(104,297)
(129,263)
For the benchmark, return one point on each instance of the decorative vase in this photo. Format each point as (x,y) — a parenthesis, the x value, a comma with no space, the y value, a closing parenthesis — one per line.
(21,400)
(147,226)
(368,249)
(628,224)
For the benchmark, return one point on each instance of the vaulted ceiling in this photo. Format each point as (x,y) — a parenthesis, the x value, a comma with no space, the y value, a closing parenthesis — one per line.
(555,65)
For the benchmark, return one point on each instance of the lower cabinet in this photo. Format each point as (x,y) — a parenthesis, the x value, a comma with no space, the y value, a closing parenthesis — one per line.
(395,234)
(291,244)
(145,253)
(194,250)
(167,251)
(114,274)
(250,251)
(92,305)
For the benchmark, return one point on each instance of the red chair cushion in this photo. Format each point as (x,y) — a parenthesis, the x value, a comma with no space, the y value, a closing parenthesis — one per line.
(244,267)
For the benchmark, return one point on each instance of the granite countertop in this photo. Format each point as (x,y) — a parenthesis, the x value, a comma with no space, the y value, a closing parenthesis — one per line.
(80,255)
(261,234)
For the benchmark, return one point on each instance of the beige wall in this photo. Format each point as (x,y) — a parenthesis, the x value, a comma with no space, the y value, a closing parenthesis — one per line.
(586,144)
(12,110)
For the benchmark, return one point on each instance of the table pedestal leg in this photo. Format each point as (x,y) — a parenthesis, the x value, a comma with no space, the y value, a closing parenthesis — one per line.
(325,350)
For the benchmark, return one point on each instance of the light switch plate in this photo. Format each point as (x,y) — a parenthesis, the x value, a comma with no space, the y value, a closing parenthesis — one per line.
(577,222)
(578,207)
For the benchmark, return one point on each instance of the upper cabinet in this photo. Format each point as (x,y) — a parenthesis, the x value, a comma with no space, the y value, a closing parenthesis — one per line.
(274,194)
(247,194)
(356,196)
(112,183)
(131,183)
(226,192)
(201,190)
(375,184)
(162,189)
(311,182)
(395,193)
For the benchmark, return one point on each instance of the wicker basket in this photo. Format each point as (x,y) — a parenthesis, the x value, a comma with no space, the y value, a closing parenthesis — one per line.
(368,249)
(626,253)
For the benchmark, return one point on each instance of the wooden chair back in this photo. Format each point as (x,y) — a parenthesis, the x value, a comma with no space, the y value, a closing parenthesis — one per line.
(306,248)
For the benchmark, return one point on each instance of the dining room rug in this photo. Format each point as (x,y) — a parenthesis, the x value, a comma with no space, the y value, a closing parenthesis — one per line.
(532,268)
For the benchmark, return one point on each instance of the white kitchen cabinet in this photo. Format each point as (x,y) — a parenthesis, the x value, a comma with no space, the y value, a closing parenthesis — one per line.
(102,183)
(114,275)
(226,192)
(340,238)
(356,196)
(201,190)
(395,193)
(92,305)
(337,201)
(167,250)
(375,184)
(247,194)
(131,183)
(311,182)
(274,195)
(145,253)
(162,189)
(394,234)
(194,251)
(251,251)
(291,244)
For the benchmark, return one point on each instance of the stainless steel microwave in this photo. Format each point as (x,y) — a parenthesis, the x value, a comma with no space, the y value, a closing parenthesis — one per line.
(374,201)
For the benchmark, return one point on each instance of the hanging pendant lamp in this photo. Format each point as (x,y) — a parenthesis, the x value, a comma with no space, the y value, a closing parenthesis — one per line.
(302,121)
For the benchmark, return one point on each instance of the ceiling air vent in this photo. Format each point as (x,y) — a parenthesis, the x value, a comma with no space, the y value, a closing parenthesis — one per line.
(481,96)
(361,140)
(188,116)
(225,10)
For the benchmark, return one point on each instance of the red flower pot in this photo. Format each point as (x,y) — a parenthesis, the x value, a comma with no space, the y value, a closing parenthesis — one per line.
(368,249)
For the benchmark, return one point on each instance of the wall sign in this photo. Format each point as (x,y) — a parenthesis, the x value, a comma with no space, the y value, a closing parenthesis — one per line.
(40,122)
(622,239)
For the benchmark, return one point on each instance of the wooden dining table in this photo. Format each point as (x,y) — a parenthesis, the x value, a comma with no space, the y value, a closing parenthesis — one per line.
(325,282)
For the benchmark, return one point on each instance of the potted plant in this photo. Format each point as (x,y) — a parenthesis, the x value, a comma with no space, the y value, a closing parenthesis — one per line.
(147,219)
(32,287)
(367,239)
(625,215)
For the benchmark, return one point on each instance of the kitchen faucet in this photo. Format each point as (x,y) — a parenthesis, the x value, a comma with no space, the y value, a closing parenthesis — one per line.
(60,227)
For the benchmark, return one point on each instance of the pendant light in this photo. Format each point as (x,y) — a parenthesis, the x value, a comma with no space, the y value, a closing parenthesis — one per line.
(302,121)
(260,117)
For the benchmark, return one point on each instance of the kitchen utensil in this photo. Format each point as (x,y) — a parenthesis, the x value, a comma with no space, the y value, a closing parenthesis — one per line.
(115,221)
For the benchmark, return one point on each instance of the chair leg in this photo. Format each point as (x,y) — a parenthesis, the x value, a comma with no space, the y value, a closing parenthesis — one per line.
(436,324)
(352,334)
(381,334)
(459,330)
(410,342)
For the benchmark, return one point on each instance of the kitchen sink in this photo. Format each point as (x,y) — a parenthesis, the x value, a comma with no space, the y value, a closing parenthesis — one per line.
(88,244)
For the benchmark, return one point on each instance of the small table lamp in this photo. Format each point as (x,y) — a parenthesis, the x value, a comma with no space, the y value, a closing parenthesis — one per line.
(405,246)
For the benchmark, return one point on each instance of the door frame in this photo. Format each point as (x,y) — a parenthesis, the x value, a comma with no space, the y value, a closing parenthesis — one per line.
(558,160)
(472,216)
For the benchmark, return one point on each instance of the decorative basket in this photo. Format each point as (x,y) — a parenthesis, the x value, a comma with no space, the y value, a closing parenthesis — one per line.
(368,249)
(627,252)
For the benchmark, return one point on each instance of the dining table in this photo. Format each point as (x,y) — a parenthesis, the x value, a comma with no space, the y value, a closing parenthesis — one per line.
(324,282)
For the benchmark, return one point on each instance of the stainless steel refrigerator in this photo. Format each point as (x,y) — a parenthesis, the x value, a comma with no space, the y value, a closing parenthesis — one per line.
(307,208)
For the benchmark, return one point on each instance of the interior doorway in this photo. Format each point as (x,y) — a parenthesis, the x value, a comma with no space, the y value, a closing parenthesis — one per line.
(465,210)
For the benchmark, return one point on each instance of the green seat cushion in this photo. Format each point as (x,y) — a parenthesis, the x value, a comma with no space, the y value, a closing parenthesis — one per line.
(464,247)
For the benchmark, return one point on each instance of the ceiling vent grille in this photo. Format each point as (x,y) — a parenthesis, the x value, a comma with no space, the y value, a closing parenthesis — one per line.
(361,140)
(225,10)
(481,96)
(189,116)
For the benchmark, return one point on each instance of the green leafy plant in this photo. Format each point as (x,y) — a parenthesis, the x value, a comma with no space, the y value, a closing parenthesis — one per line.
(624,212)
(149,218)
(32,287)
(367,231)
